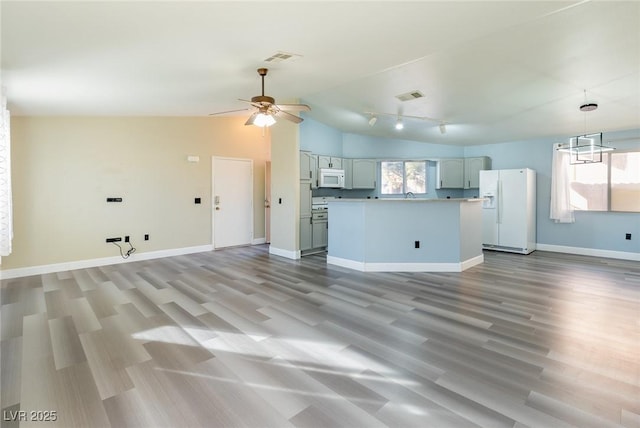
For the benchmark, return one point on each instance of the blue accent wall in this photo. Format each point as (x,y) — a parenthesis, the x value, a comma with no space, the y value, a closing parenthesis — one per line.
(319,138)
(362,146)
(594,230)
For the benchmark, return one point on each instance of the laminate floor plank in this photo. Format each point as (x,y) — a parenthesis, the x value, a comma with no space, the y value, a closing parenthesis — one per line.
(239,337)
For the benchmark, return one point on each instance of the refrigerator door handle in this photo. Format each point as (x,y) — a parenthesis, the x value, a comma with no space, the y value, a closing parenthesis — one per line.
(499,197)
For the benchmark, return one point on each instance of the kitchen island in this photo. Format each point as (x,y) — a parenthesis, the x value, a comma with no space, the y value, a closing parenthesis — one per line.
(405,235)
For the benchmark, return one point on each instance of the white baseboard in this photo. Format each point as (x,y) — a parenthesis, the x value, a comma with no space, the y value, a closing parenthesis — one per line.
(405,267)
(104,261)
(623,255)
(293,255)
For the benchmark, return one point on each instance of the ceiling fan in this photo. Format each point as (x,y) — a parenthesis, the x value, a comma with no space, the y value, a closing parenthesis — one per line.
(267,109)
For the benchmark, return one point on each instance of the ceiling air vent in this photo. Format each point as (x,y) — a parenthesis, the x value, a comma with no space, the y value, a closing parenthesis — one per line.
(410,96)
(282,56)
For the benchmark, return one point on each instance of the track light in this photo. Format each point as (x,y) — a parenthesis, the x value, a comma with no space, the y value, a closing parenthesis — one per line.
(373,118)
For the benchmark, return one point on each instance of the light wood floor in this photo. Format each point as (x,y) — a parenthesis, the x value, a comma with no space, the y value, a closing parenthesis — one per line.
(239,338)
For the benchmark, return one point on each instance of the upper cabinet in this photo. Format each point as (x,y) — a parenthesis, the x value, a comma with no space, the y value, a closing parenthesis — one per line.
(329,162)
(472,168)
(363,174)
(450,174)
(461,173)
(306,166)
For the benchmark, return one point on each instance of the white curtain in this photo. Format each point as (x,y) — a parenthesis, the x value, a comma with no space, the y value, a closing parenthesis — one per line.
(6,211)
(560,210)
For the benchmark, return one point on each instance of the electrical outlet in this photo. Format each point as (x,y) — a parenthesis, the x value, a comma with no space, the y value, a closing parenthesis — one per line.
(627,236)
(126,238)
(416,244)
(146,237)
(109,240)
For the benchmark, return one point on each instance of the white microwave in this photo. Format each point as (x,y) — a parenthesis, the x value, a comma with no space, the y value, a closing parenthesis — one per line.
(331,178)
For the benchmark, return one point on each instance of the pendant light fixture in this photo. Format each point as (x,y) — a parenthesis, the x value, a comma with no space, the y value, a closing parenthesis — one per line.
(586,148)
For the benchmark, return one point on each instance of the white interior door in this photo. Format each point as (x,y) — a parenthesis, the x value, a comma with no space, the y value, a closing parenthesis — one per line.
(232,202)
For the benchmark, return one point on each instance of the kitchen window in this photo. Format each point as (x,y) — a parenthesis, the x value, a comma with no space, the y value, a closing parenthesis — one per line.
(400,177)
(610,185)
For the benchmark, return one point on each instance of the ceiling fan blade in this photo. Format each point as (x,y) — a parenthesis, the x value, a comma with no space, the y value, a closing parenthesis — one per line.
(294,107)
(288,116)
(252,118)
(228,111)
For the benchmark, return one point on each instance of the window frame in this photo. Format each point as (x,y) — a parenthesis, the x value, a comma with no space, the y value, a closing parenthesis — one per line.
(609,184)
(404,176)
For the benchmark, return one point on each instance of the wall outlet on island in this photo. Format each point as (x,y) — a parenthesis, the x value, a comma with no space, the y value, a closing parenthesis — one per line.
(627,236)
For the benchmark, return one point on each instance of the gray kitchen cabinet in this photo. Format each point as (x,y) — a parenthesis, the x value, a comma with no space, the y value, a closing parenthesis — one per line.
(306,165)
(305,216)
(347,165)
(450,174)
(320,226)
(363,174)
(314,171)
(305,199)
(329,162)
(306,233)
(472,168)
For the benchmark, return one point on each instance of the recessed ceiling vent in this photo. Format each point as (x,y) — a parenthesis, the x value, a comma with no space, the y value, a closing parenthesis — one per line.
(410,96)
(282,56)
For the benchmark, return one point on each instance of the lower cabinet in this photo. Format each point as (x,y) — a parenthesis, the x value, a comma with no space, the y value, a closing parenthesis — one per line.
(320,236)
(314,233)
(306,234)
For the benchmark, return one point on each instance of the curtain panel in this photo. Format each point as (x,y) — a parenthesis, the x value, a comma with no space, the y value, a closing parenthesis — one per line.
(6,211)
(560,208)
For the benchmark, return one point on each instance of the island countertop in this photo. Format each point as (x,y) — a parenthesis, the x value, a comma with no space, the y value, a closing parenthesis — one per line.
(407,200)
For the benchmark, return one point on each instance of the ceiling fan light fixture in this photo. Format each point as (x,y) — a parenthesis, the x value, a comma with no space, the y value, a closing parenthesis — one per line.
(264,119)
(399,124)
(373,120)
(443,128)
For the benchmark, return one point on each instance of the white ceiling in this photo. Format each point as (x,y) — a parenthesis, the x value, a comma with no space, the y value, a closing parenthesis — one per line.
(494,71)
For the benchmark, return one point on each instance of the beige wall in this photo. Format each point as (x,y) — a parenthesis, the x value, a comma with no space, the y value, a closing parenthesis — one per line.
(64,168)
(285,185)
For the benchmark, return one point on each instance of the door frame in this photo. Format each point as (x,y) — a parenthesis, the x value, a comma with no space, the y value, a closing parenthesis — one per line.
(213,205)
(267,202)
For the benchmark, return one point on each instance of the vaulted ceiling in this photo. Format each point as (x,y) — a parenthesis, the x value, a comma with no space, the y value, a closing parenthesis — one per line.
(492,71)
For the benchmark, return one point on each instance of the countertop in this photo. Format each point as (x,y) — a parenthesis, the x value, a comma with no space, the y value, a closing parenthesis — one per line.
(406,200)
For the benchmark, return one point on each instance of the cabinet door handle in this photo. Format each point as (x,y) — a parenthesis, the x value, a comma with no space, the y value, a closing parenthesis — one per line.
(309,173)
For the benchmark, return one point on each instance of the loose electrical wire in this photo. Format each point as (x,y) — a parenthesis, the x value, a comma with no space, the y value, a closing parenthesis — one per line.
(125,254)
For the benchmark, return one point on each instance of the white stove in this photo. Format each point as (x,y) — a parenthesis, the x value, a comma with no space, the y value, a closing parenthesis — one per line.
(321,203)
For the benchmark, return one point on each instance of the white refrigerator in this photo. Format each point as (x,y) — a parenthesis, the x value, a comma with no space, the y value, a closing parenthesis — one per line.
(509,210)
